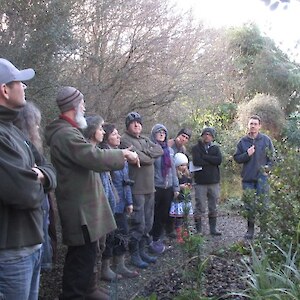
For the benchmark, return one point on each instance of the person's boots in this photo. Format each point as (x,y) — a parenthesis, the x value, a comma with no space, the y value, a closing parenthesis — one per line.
(136,259)
(198,225)
(95,293)
(212,226)
(250,231)
(179,235)
(107,273)
(144,256)
(170,228)
(120,267)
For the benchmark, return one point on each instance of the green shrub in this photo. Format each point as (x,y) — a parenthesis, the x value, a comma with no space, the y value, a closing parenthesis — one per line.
(267,280)
(284,209)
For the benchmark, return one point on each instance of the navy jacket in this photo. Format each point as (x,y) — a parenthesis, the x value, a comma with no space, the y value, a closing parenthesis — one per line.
(263,155)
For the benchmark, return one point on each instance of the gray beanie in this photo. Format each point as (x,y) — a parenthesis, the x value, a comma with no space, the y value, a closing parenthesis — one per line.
(68,98)
(210,130)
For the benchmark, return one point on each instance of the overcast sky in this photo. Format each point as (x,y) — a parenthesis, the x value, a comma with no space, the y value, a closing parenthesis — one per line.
(282,25)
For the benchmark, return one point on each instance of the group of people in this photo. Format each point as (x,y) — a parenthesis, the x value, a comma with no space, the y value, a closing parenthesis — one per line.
(113,192)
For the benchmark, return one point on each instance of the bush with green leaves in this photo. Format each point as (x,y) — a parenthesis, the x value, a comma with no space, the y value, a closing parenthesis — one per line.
(284,211)
(268,280)
(291,131)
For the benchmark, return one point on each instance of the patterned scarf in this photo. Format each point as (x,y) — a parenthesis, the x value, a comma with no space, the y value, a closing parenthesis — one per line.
(165,159)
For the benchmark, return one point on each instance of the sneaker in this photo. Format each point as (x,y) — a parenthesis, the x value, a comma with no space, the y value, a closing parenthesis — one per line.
(157,247)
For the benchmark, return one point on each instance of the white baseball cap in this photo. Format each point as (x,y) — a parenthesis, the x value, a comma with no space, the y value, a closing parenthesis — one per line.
(9,73)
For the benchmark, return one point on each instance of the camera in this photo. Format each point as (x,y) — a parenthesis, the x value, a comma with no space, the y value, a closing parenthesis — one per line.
(128,182)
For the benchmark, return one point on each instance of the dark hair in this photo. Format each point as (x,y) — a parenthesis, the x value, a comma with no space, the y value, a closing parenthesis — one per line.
(93,123)
(28,121)
(108,128)
(255,117)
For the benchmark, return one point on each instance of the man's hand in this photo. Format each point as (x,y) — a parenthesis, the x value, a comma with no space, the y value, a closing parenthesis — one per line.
(131,156)
(129,209)
(40,174)
(251,150)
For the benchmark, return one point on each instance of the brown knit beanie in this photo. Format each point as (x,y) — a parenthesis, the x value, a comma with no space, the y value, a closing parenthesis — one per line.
(68,98)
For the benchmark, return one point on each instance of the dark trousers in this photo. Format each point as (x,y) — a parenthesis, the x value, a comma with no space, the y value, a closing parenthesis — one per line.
(78,269)
(117,241)
(162,204)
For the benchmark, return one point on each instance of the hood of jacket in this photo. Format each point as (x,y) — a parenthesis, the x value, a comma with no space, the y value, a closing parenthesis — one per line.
(54,127)
(156,128)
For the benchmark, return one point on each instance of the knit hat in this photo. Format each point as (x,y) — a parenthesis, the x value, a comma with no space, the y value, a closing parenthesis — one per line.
(186,131)
(210,130)
(68,98)
(133,116)
(9,73)
(180,159)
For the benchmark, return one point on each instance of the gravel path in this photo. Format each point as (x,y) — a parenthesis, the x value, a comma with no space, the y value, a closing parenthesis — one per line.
(168,276)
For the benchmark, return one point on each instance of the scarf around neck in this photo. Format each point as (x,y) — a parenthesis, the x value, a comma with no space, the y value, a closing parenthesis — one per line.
(165,159)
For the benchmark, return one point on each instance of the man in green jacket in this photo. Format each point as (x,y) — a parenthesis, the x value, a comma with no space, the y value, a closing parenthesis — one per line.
(22,185)
(142,189)
(83,208)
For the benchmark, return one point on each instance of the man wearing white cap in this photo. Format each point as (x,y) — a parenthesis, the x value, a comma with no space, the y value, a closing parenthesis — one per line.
(21,194)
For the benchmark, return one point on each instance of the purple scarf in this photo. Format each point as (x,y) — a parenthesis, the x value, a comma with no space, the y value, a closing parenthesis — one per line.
(165,159)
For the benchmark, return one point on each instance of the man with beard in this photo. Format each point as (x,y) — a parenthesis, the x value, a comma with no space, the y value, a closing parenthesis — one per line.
(83,208)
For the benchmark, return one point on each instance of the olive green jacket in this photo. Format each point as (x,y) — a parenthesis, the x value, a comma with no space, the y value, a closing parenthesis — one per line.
(148,151)
(80,197)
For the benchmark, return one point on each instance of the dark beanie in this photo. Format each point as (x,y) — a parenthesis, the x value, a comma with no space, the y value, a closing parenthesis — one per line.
(133,116)
(186,131)
(68,98)
(210,130)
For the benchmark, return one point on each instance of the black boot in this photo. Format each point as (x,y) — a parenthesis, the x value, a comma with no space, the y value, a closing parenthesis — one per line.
(250,231)
(144,256)
(136,259)
(198,225)
(212,226)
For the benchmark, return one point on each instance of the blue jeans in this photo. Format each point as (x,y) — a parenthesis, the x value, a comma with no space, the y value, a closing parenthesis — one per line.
(260,190)
(20,278)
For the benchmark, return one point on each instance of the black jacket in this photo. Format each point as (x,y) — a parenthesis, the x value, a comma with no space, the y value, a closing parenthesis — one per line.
(209,160)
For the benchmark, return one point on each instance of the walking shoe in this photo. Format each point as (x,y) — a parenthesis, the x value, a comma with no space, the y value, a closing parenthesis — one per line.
(157,247)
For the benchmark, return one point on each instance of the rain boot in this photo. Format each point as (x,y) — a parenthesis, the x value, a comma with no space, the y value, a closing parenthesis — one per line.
(212,226)
(144,256)
(179,235)
(107,273)
(95,293)
(250,231)
(120,267)
(136,259)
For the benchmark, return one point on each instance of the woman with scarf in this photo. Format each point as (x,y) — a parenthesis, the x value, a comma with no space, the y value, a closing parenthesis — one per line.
(166,186)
